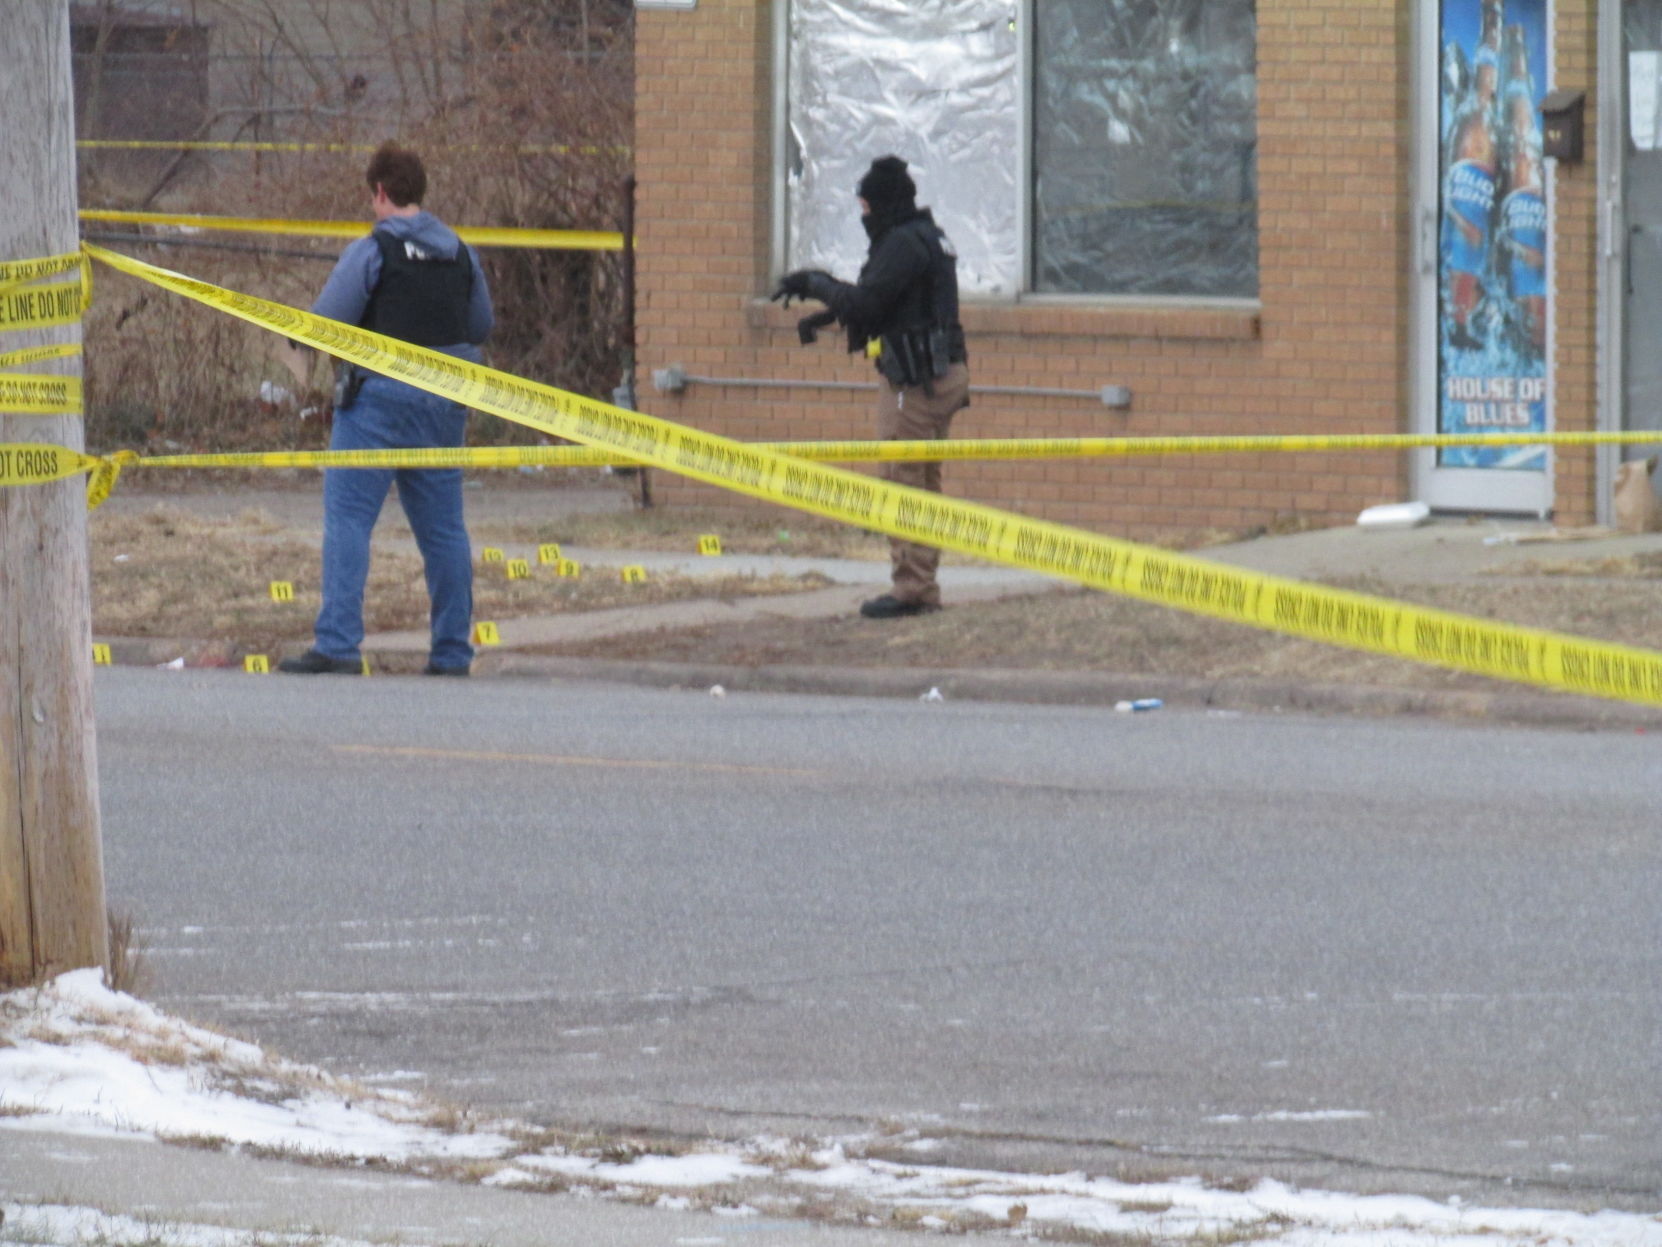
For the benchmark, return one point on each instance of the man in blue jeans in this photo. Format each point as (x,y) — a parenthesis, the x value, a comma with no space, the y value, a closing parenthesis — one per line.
(411,279)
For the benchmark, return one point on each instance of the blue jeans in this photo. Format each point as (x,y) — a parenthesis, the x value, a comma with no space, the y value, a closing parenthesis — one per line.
(389,415)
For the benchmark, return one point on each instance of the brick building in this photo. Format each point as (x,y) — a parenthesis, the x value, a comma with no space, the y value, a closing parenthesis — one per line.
(1363,309)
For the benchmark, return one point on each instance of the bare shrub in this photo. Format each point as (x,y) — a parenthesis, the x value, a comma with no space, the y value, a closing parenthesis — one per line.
(524,116)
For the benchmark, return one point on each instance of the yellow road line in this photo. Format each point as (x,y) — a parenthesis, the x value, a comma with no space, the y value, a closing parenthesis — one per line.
(557,759)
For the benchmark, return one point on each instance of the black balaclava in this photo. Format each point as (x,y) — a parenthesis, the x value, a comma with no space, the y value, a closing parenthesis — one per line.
(890,191)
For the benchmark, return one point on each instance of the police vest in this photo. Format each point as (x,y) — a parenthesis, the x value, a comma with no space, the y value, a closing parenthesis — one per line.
(931,303)
(420,298)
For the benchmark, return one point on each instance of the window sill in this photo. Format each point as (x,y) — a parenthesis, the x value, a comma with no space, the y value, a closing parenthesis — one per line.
(1057,319)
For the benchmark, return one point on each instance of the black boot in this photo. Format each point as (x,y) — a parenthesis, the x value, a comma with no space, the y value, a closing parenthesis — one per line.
(314,663)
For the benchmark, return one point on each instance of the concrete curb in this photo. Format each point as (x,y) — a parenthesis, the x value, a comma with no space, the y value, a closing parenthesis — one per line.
(1090,688)
(992,684)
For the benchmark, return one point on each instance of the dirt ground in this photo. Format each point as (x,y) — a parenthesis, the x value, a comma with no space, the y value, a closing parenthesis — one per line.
(1083,630)
(166,572)
(161,570)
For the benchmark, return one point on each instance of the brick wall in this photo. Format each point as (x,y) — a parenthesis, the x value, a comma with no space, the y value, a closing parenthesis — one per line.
(1326,351)
(1575,272)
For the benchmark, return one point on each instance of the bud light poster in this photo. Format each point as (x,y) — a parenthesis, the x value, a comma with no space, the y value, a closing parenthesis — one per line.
(1492,249)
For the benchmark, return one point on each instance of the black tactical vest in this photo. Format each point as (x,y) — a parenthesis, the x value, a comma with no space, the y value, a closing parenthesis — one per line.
(929,305)
(420,298)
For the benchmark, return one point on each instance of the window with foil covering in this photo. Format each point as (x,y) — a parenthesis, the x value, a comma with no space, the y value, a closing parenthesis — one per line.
(1144,148)
(932,81)
(1089,147)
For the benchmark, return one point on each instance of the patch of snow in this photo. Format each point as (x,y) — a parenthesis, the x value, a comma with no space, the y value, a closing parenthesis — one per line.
(77,1058)
(65,1226)
(83,1058)
(693,1170)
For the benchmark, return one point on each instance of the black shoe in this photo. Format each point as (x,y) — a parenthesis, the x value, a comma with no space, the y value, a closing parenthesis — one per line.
(890,607)
(314,663)
(431,669)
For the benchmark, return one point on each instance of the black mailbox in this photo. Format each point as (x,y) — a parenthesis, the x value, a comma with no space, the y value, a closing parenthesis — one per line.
(1562,125)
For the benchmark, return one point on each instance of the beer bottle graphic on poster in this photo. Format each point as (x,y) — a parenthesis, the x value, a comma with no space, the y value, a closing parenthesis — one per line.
(1521,232)
(1469,185)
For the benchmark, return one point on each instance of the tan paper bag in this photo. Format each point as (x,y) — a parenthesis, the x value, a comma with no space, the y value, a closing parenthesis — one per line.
(298,360)
(1637,507)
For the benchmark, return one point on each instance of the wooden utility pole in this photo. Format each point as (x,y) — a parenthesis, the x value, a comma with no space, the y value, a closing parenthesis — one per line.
(52,915)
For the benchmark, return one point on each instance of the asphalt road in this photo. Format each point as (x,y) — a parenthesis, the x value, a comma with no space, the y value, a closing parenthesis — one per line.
(1389,955)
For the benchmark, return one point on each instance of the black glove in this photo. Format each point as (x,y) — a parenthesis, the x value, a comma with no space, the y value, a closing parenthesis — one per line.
(805,283)
(807,329)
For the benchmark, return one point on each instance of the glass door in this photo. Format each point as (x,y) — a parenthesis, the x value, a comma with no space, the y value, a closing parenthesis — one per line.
(1640,249)
(1485,262)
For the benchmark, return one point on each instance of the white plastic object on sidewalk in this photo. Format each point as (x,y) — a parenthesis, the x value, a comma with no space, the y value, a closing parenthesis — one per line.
(1394,515)
(1142,703)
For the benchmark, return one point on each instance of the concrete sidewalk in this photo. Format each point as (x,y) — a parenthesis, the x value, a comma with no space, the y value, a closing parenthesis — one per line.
(1446,550)
(853,582)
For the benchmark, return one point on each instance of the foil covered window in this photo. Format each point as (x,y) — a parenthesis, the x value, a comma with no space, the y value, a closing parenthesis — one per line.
(933,81)
(1144,138)
(1143,146)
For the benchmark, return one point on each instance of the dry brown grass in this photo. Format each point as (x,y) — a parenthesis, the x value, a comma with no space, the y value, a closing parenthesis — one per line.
(129,972)
(186,577)
(165,372)
(753,530)
(1647,566)
(1083,630)
(167,573)
(678,528)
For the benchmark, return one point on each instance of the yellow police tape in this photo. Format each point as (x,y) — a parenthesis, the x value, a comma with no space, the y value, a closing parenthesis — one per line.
(883,452)
(30,464)
(17,272)
(40,396)
(479,236)
(35,354)
(1359,621)
(234,145)
(215,145)
(24,305)
(27,306)
(41,307)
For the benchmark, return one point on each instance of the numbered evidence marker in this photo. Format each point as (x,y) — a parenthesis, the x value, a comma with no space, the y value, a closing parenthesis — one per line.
(548,555)
(490,554)
(519,569)
(570,568)
(485,633)
(282,591)
(101,655)
(634,574)
(709,543)
(256,664)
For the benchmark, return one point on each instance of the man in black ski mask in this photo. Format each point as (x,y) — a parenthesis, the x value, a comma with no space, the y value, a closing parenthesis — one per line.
(904,310)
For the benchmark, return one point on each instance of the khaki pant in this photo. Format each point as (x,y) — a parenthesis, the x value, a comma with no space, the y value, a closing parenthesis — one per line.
(907,415)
